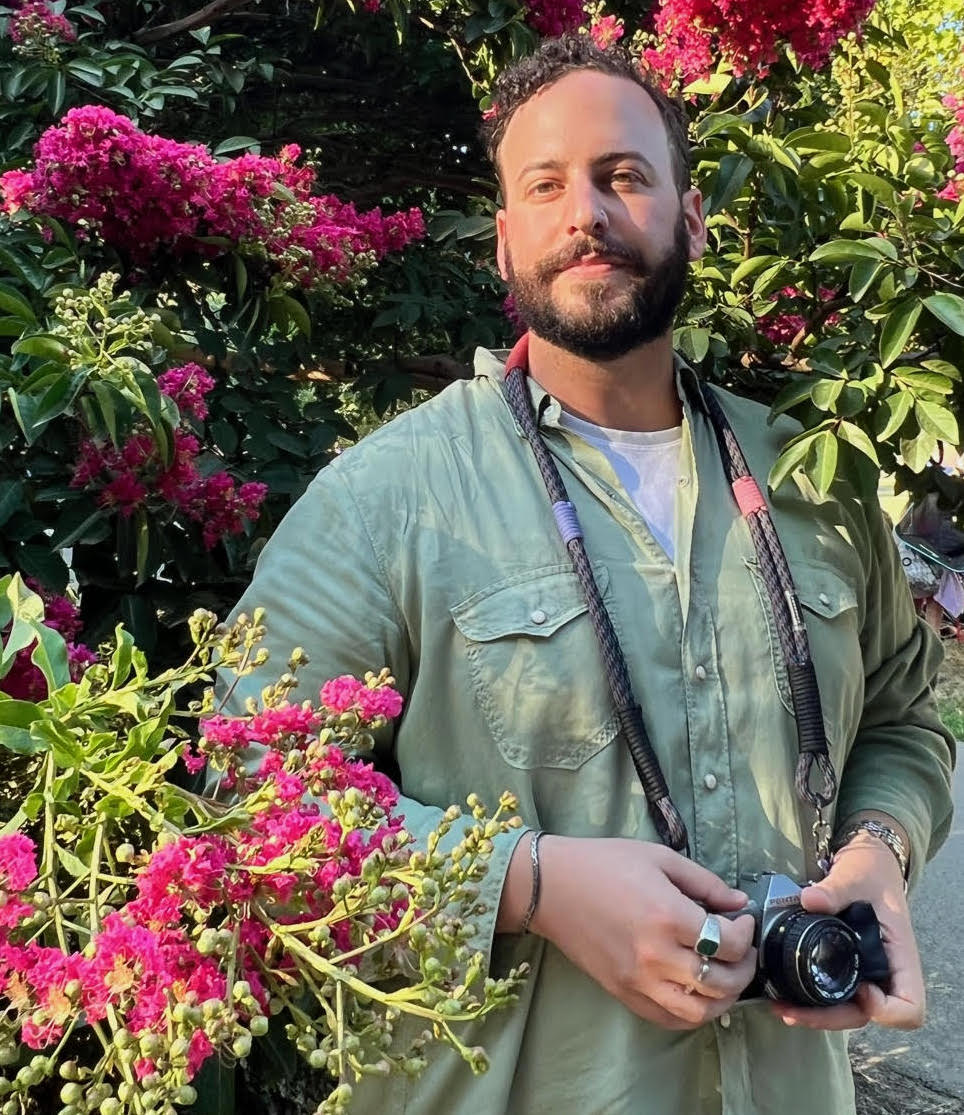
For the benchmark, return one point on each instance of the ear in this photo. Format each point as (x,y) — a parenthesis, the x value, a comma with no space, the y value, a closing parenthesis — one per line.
(500,243)
(692,203)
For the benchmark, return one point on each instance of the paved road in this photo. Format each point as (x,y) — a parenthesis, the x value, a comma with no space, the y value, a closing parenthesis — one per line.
(935,1054)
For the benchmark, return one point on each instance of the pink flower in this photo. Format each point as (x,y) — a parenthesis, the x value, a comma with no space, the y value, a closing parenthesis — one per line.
(188,387)
(555,17)
(25,681)
(18,864)
(340,693)
(606,32)
(35,26)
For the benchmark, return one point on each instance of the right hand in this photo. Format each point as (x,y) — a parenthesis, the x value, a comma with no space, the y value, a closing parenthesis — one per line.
(628,914)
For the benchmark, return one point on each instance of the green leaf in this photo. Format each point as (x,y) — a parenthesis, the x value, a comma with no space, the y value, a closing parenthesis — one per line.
(937,420)
(11,498)
(892,412)
(61,539)
(237,143)
(805,139)
(56,89)
(897,328)
(730,178)
(72,864)
(825,393)
(20,741)
(712,86)
(948,309)
(751,266)
(790,396)
(789,460)
(86,71)
(14,304)
(851,251)
(863,275)
(917,451)
(824,466)
(42,344)
(921,382)
(943,368)
(855,436)
(17,714)
(297,313)
(879,188)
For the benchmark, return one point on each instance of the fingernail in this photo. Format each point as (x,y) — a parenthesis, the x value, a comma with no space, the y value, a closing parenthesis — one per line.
(789,1021)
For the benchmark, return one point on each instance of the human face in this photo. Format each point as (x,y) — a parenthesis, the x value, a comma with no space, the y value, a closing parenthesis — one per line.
(594,240)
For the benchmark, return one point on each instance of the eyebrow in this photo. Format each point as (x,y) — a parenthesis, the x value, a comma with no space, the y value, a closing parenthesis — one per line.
(608,157)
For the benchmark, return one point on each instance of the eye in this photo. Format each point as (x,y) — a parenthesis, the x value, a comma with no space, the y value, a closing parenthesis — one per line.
(626,177)
(543,187)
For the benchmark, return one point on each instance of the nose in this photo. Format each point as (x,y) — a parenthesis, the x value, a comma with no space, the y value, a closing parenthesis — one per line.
(588,214)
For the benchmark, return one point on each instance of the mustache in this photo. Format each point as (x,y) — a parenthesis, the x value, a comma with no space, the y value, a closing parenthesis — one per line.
(565,257)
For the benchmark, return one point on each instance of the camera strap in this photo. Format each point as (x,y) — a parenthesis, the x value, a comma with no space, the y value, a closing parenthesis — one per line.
(814,752)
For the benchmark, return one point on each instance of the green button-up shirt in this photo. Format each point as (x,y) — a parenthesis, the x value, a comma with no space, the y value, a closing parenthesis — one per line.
(431,548)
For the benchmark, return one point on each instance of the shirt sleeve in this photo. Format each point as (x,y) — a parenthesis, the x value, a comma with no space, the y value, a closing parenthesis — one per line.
(902,757)
(324,589)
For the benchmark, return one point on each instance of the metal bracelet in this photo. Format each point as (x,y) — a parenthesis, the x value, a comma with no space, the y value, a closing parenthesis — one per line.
(536,880)
(884,833)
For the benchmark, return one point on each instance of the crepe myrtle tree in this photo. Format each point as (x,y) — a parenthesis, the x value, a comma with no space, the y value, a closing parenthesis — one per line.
(235,235)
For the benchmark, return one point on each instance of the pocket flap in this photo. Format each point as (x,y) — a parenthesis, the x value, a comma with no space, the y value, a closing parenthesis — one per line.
(823,591)
(535,603)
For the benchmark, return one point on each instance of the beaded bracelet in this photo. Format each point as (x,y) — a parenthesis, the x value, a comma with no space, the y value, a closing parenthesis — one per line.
(536,880)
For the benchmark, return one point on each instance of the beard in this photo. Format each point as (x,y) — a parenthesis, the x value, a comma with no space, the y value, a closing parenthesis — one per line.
(610,323)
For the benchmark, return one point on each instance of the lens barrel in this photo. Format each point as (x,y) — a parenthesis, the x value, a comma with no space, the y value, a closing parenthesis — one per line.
(812,959)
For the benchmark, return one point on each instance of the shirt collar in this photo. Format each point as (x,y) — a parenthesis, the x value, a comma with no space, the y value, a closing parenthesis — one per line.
(490,364)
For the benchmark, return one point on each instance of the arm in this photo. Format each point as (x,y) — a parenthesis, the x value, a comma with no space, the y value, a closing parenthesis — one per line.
(898,773)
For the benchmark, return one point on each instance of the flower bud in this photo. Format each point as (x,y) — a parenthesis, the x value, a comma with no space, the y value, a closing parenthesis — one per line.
(241,1046)
(124,853)
(71,1093)
(258,1026)
(185,1095)
(207,943)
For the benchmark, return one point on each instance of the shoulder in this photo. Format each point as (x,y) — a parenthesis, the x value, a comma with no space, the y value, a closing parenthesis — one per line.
(399,459)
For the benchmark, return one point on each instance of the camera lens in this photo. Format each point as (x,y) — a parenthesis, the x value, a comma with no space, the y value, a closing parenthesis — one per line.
(812,959)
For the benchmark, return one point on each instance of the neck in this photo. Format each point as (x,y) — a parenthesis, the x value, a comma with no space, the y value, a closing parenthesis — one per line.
(635,392)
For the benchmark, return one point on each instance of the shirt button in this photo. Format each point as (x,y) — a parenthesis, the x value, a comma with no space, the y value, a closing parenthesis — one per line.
(709,781)
(683,481)
(725,1020)
(824,599)
(538,616)
(700,672)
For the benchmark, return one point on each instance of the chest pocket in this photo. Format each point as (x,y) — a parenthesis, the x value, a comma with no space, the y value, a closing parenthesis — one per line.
(831,614)
(536,667)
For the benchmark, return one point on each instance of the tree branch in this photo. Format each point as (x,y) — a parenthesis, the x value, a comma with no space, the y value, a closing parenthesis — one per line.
(217,9)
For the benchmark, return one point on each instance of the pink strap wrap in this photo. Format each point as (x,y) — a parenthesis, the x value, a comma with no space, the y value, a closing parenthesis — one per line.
(749,498)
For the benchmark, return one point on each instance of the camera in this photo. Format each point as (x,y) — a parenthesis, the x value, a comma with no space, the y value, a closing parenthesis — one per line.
(812,960)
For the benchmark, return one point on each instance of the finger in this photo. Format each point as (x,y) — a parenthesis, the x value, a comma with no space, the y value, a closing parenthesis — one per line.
(720,981)
(691,1006)
(736,937)
(892,1010)
(850,1016)
(701,885)
(823,898)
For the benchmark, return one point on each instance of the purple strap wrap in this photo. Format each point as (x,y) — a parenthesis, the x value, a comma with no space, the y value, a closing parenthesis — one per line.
(567,521)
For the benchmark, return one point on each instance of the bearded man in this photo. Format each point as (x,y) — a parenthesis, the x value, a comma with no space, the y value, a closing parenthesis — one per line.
(535,555)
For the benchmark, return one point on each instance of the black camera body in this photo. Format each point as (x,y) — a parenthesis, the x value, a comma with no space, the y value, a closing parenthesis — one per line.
(811,960)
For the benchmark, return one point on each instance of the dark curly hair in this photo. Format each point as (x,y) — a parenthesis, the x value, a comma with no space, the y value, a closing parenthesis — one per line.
(571,52)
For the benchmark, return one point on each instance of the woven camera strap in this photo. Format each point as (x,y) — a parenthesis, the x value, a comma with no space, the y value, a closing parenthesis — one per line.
(814,753)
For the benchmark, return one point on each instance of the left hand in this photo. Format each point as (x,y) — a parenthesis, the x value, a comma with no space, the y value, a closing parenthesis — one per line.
(866,870)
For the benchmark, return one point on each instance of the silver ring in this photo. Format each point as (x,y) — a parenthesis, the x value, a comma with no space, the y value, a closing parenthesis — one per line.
(704,970)
(708,942)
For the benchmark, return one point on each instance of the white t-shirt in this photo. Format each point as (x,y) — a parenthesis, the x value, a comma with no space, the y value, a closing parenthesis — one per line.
(647,464)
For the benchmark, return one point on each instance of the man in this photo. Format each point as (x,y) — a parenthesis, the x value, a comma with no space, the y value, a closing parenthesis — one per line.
(431,548)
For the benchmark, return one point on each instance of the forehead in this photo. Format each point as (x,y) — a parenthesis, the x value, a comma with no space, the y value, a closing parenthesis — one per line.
(580,117)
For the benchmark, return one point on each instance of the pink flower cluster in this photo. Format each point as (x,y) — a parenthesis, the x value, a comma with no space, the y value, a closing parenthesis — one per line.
(606,31)
(187,386)
(25,681)
(35,25)
(135,967)
(954,190)
(134,475)
(148,956)
(144,194)
(782,328)
(694,34)
(554,17)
